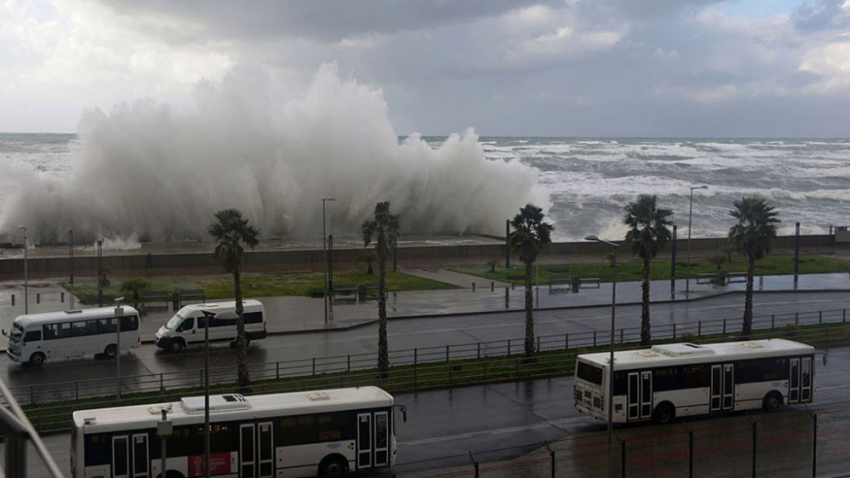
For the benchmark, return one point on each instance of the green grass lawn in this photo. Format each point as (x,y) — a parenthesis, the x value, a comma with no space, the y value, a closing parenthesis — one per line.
(220,286)
(632,270)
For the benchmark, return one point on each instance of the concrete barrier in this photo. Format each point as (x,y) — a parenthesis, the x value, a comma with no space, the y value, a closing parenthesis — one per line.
(116,263)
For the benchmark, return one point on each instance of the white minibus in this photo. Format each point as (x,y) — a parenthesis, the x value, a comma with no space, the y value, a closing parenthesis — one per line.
(299,434)
(36,338)
(187,325)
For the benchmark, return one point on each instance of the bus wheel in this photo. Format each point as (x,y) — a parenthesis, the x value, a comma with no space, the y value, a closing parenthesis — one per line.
(772,402)
(664,413)
(176,346)
(37,359)
(111,350)
(334,465)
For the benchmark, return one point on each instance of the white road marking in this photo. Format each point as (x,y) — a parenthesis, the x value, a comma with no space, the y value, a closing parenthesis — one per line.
(537,426)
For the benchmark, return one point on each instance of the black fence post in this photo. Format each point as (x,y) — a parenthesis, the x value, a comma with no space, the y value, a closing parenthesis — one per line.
(724,326)
(690,454)
(474,463)
(699,329)
(772,321)
(594,338)
(623,458)
(796,318)
(815,447)
(755,447)
(566,341)
(552,459)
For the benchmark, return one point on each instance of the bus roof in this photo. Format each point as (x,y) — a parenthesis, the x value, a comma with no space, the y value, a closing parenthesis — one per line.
(687,353)
(213,306)
(72,315)
(258,406)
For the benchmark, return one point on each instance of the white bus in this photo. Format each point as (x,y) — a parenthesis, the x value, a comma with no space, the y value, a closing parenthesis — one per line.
(325,433)
(37,338)
(684,379)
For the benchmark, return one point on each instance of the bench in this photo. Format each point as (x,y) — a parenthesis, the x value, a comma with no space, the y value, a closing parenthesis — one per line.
(739,277)
(706,278)
(193,294)
(590,281)
(557,280)
(342,289)
(368,290)
(156,296)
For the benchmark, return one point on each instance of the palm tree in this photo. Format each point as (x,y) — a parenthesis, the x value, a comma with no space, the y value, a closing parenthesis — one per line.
(230,230)
(648,235)
(384,230)
(752,237)
(529,236)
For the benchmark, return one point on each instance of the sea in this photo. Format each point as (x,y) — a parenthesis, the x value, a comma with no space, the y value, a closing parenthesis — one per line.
(588,181)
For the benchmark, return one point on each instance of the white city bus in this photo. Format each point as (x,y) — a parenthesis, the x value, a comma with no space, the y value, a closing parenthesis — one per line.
(329,432)
(36,338)
(684,379)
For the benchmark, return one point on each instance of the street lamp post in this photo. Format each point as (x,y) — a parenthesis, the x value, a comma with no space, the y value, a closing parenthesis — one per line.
(325,254)
(688,265)
(207,317)
(119,316)
(613,320)
(26,274)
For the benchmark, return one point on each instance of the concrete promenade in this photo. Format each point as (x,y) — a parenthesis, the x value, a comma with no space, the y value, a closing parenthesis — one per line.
(288,315)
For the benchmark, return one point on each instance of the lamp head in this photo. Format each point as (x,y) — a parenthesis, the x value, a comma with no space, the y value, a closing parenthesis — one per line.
(699,187)
(328,199)
(591,237)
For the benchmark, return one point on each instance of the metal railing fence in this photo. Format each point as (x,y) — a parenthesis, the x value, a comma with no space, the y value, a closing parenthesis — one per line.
(791,325)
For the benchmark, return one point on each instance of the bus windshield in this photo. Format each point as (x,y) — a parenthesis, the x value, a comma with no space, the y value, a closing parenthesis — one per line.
(17,333)
(590,373)
(174,322)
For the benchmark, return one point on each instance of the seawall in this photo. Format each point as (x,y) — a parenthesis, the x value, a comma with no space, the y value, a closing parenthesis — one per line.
(130,262)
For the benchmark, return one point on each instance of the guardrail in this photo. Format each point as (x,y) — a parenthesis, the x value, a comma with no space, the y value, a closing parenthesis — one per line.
(414,369)
(687,331)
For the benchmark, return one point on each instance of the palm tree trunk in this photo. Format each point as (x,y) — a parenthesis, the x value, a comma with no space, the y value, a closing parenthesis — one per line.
(529,313)
(243,378)
(645,331)
(747,332)
(383,349)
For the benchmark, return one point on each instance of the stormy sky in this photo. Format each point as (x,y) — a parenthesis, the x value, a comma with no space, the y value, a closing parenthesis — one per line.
(650,68)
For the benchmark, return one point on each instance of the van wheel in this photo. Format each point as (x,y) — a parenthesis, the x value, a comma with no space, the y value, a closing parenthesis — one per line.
(176,346)
(111,350)
(37,359)
(772,402)
(664,413)
(333,466)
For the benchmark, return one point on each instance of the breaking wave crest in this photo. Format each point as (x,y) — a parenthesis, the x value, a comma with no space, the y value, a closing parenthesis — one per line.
(150,172)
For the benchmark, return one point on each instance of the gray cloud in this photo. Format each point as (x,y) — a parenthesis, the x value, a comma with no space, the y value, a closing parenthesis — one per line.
(821,15)
(319,20)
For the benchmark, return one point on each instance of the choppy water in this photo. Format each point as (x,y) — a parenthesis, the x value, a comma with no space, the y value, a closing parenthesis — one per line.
(590,180)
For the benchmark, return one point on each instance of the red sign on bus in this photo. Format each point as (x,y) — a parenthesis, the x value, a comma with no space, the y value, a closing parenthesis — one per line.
(219,464)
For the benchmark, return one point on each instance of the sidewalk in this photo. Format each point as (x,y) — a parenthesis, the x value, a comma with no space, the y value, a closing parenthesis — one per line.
(289,315)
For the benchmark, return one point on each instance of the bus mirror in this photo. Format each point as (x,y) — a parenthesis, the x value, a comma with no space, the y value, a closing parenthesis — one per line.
(403,411)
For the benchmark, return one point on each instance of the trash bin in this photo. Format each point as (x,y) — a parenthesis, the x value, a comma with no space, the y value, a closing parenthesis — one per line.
(721,277)
(575,282)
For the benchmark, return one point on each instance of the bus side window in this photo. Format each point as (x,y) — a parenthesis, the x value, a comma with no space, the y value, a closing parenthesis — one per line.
(50,332)
(129,322)
(32,336)
(107,326)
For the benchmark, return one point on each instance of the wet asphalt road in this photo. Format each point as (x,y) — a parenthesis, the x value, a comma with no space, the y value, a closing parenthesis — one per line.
(148,361)
(444,425)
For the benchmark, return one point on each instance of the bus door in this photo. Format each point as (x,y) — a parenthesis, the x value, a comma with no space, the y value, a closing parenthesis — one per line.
(373,439)
(256,450)
(640,396)
(130,458)
(794,381)
(806,382)
(364,440)
(722,387)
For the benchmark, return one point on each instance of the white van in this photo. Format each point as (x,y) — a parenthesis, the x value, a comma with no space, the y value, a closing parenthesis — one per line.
(187,326)
(36,338)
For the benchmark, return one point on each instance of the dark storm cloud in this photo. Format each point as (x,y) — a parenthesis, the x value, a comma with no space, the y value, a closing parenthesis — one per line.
(320,20)
(820,15)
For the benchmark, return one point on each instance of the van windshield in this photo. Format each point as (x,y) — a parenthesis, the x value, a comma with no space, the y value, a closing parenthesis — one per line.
(17,333)
(174,322)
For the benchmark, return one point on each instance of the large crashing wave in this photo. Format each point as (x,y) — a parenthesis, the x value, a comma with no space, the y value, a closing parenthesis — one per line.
(149,171)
